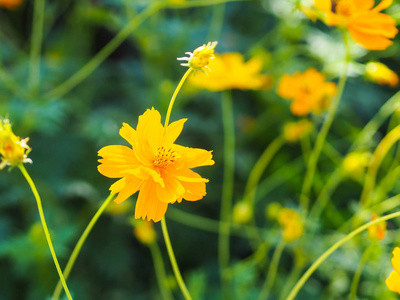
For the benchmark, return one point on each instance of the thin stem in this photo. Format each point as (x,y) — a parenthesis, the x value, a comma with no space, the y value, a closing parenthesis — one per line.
(217,21)
(199,3)
(101,56)
(79,244)
(45,229)
(36,46)
(172,258)
(332,249)
(314,156)
(227,189)
(273,267)
(160,271)
(172,101)
(357,274)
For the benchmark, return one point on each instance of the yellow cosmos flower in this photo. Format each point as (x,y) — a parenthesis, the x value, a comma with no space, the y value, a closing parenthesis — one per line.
(13,149)
(308,91)
(10,4)
(393,281)
(155,166)
(201,56)
(366,24)
(381,74)
(291,224)
(229,71)
(294,131)
(377,231)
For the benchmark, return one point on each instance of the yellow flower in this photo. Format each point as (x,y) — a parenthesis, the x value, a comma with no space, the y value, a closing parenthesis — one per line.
(381,74)
(377,231)
(242,213)
(294,131)
(355,163)
(366,24)
(144,232)
(13,149)
(308,91)
(393,281)
(200,57)
(291,224)
(160,169)
(229,71)
(10,4)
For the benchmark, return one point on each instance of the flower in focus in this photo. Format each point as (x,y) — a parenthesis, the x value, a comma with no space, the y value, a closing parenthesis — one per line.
(291,224)
(10,4)
(144,232)
(354,163)
(155,166)
(242,213)
(13,149)
(308,91)
(294,131)
(381,74)
(201,57)
(366,24)
(229,71)
(377,231)
(393,281)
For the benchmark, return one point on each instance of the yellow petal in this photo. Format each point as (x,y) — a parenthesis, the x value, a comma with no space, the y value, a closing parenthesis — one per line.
(145,174)
(147,205)
(116,159)
(382,5)
(323,5)
(370,41)
(125,187)
(194,190)
(393,282)
(396,259)
(172,190)
(173,131)
(194,157)
(150,131)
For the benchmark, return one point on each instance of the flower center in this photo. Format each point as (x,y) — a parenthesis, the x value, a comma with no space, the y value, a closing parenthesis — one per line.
(164,157)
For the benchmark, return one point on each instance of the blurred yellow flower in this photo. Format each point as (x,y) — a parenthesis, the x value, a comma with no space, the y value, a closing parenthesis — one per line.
(10,4)
(229,71)
(291,224)
(242,212)
(201,57)
(381,74)
(160,169)
(144,232)
(308,91)
(377,231)
(355,163)
(294,131)
(13,149)
(272,210)
(366,24)
(393,281)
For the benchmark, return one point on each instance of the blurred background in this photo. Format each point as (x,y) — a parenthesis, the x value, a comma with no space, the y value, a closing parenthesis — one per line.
(90,82)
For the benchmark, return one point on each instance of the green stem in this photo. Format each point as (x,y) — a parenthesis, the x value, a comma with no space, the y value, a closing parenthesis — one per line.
(160,271)
(314,156)
(172,101)
(227,189)
(101,56)
(45,229)
(292,279)
(273,267)
(79,244)
(217,21)
(36,46)
(172,258)
(199,3)
(357,274)
(332,249)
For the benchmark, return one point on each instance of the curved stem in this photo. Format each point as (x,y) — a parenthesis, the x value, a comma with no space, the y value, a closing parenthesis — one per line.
(101,56)
(172,258)
(273,267)
(160,271)
(79,244)
(171,103)
(357,274)
(332,249)
(227,189)
(314,156)
(45,229)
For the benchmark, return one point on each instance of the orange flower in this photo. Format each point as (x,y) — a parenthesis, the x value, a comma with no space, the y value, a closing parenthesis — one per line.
(291,224)
(10,4)
(366,24)
(309,92)
(381,74)
(229,71)
(393,281)
(160,169)
(377,231)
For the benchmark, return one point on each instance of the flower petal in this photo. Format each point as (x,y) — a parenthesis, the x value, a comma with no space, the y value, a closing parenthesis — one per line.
(393,282)
(147,205)
(193,157)
(173,131)
(194,190)
(370,41)
(116,159)
(126,187)
(145,174)
(396,259)
(382,5)
(172,190)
